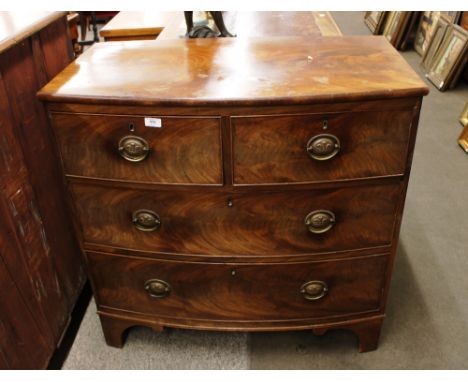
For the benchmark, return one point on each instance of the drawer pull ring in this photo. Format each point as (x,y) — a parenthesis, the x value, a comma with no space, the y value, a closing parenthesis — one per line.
(323,146)
(133,148)
(320,221)
(314,290)
(157,288)
(146,220)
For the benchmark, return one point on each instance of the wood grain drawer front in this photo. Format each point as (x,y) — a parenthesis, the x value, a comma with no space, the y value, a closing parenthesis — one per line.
(239,291)
(272,149)
(181,151)
(218,223)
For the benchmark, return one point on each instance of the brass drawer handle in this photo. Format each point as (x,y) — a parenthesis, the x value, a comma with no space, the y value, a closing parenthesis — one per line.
(323,146)
(314,290)
(133,148)
(157,288)
(320,221)
(146,220)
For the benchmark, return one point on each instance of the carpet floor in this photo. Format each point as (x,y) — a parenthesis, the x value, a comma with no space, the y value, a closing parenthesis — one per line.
(427,312)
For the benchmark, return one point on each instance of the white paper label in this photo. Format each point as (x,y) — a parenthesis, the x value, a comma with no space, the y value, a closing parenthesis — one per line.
(153,122)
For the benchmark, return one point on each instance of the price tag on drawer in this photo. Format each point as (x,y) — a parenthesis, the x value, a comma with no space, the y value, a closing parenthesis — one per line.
(153,122)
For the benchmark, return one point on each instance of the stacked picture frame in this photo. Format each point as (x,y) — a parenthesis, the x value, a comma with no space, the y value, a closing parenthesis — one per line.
(427,25)
(398,27)
(436,37)
(375,20)
(426,30)
(449,59)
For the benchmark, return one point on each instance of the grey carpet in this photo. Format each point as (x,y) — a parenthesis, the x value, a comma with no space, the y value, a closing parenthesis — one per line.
(427,312)
(146,349)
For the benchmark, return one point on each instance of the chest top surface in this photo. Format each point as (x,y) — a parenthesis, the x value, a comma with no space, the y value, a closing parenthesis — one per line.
(265,71)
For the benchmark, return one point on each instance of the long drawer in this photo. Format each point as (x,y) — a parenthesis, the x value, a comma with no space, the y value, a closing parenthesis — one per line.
(237,223)
(239,291)
(319,147)
(171,150)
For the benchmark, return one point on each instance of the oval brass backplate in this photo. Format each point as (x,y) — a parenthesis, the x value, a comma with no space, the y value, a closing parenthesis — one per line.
(133,148)
(323,146)
(157,288)
(146,220)
(320,221)
(314,290)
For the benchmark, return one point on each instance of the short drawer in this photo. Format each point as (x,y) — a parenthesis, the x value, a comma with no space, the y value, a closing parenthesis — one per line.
(183,150)
(212,223)
(314,147)
(239,291)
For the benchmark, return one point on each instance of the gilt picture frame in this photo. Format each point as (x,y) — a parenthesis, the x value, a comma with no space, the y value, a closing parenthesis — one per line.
(464,116)
(425,31)
(409,31)
(375,21)
(450,54)
(437,37)
(451,16)
(463,138)
(394,26)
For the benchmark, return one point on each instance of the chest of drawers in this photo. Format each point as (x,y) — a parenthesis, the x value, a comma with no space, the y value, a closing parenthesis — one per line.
(238,185)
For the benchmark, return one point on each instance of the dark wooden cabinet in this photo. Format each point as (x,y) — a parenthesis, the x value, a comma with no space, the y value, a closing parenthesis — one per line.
(249,185)
(42,271)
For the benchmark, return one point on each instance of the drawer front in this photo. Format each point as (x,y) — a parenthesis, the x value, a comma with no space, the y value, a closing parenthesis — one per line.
(181,151)
(218,223)
(312,148)
(239,291)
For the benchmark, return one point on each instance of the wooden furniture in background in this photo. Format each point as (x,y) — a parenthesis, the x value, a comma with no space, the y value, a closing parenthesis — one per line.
(88,18)
(264,24)
(73,18)
(251,185)
(41,270)
(128,25)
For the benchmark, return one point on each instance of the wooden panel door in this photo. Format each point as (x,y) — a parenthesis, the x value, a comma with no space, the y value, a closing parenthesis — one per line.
(43,268)
(22,346)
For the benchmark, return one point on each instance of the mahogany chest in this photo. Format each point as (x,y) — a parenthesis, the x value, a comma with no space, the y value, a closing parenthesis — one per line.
(244,185)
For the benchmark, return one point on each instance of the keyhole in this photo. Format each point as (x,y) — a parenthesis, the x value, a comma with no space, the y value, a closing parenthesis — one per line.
(325,124)
(233,272)
(131,127)
(230,203)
